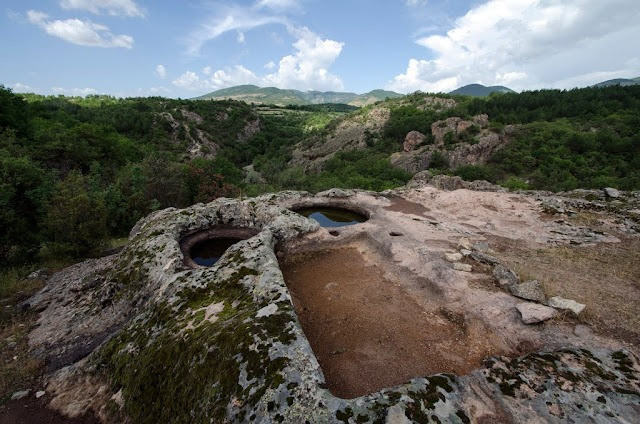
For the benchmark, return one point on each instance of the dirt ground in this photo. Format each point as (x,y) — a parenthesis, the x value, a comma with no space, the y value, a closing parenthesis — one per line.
(605,277)
(30,410)
(368,333)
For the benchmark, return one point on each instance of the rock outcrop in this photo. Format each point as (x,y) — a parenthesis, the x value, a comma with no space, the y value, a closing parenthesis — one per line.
(141,336)
(412,140)
(470,143)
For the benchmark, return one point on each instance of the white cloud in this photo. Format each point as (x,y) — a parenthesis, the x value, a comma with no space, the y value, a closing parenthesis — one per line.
(206,70)
(305,69)
(19,87)
(278,5)
(526,43)
(240,37)
(83,33)
(112,7)
(161,71)
(74,91)
(230,19)
(414,3)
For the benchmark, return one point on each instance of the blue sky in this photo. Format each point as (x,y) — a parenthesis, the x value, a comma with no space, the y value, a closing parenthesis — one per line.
(191,47)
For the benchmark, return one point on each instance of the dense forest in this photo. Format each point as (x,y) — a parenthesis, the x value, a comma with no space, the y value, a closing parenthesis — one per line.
(79,172)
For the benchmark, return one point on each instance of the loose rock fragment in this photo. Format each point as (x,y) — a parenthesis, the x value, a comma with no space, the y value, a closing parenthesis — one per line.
(462,267)
(533,313)
(21,394)
(530,290)
(567,304)
(506,277)
(453,257)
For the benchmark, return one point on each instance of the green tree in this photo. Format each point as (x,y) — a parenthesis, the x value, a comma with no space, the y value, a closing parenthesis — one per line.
(75,222)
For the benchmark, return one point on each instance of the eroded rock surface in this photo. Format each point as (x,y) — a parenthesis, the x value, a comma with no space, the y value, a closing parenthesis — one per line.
(147,339)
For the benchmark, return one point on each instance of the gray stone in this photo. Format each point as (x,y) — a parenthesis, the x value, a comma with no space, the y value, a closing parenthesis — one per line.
(465,252)
(506,277)
(566,304)
(21,394)
(484,258)
(611,193)
(38,274)
(40,393)
(462,267)
(533,313)
(530,290)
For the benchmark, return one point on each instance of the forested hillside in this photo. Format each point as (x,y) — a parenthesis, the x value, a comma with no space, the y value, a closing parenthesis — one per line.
(78,172)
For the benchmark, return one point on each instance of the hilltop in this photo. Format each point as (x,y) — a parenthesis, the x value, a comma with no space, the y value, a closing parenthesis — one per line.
(618,81)
(480,90)
(283,97)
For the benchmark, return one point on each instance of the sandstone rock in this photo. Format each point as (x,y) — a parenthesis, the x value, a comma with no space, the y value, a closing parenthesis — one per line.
(465,252)
(463,126)
(462,267)
(566,304)
(506,277)
(533,313)
(465,243)
(611,193)
(440,128)
(481,120)
(21,394)
(453,257)
(413,139)
(530,290)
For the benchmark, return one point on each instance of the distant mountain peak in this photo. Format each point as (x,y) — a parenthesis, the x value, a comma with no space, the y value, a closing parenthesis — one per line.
(480,90)
(618,81)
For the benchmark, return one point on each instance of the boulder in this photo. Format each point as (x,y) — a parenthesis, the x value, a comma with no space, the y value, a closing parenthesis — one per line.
(413,139)
(611,193)
(566,304)
(481,120)
(533,313)
(530,290)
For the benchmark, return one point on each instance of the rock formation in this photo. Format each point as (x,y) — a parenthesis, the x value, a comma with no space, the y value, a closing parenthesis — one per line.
(143,336)
(472,150)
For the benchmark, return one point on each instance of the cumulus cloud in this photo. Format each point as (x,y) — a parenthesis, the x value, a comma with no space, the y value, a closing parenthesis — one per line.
(19,87)
(82,33)
(524,43)
(112,7)
(306,69)
(74,91)
(161,71)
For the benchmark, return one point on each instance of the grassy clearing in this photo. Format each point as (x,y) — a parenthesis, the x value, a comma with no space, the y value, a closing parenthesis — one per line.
(605,277)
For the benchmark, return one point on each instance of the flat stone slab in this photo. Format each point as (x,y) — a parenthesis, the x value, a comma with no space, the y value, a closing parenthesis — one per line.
(534,313)
(566,304)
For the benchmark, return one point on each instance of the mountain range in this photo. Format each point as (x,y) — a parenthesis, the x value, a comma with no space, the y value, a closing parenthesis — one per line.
(278,96)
